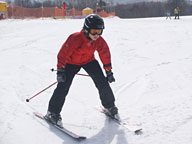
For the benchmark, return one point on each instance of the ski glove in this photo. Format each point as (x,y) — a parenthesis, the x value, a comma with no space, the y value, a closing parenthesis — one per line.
(110,76)
(61,75)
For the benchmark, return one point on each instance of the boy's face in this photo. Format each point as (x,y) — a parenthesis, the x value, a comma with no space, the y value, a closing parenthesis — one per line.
(94,37)
(95,33)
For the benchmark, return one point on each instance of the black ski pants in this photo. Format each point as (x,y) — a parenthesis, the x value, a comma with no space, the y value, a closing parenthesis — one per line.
(176,15)
(95,72)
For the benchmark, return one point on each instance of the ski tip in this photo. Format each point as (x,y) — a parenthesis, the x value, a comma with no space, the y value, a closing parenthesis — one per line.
(82,138)
(139,132)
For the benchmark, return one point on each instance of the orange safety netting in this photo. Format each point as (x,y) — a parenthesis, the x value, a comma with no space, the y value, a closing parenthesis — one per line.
(21,12)
(104,14)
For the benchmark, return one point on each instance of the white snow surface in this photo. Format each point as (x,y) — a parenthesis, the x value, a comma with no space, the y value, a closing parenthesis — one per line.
(152,64)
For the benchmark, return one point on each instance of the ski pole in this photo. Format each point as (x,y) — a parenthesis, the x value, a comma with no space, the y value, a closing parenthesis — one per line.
(76,74)
(27,100)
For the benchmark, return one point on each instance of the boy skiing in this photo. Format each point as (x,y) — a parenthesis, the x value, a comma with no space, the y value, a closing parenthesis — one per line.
(78,52)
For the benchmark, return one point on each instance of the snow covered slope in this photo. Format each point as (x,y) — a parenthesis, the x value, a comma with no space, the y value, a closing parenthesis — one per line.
(152,64)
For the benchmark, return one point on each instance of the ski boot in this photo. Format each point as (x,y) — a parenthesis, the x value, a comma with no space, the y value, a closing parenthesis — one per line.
(54,118)
(112,111)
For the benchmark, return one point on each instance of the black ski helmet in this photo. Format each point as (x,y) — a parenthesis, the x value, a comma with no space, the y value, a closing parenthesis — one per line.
(93,21)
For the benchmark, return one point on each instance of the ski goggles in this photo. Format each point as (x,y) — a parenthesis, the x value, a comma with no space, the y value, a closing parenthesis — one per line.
(96,31)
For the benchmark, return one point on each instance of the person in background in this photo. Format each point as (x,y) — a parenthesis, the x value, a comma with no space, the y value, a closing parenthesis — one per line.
(168,15)
(176,12)
(78,52)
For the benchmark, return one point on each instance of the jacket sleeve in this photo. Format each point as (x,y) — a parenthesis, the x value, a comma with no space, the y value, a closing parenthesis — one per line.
(104,54)
(66,51)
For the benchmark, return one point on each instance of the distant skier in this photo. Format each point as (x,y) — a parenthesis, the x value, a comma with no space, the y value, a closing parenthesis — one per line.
(176,12)
(78,52)
(168,15)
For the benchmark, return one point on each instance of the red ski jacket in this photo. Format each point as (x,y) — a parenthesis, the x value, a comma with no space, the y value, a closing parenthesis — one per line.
(79,50)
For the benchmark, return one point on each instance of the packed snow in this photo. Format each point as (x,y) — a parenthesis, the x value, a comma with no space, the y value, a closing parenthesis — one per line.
(152,64)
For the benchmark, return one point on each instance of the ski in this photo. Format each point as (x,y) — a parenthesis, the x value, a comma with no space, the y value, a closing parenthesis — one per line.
(117,119)
(63,129)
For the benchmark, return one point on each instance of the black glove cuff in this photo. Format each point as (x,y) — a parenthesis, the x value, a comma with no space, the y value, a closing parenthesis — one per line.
(60,70)
(109,72)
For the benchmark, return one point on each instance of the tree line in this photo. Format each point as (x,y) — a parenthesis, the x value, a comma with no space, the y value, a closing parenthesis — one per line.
(153,9)
(134,10)
(77,4)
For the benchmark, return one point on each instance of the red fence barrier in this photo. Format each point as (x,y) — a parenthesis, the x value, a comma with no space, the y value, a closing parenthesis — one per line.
(104,14)
(15,11)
